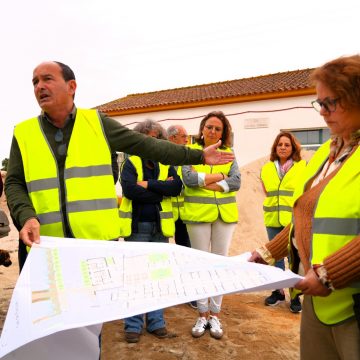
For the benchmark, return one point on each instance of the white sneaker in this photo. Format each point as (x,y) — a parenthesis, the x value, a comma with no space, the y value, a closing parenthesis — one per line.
(199,328)
(216,330)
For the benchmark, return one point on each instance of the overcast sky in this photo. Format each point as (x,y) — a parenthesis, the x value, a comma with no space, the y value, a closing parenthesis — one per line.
(120,47)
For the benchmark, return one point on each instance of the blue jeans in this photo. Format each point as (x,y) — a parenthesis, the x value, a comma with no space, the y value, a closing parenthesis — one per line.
(272,232)
(154,320)
(147,232)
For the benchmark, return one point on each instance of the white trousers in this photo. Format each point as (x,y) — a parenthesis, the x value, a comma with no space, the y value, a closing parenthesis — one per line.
(215,238)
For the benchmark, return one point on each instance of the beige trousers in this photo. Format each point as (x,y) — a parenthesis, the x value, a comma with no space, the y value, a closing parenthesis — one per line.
(215,238)
(323,342)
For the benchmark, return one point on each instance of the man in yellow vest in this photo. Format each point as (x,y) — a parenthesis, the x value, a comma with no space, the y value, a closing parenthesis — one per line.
(59,180)
(177,134)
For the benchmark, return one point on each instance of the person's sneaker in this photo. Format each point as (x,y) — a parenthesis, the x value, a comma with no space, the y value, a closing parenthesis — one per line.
(132,337)
(295,305)
(193,304)
(275,298)
(200,327)
(216,330)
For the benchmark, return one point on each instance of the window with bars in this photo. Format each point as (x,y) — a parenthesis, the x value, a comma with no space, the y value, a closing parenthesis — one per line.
(311,139)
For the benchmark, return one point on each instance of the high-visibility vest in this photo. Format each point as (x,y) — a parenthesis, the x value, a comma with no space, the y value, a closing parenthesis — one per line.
(178,201)
(336,222)
(202,205)
(91,203)
(167,223)
(278,202)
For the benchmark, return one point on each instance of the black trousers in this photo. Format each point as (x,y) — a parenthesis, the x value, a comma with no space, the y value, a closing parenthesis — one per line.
(181,234)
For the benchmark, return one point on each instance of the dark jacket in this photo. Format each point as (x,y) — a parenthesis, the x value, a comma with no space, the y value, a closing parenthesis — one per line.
(146,202)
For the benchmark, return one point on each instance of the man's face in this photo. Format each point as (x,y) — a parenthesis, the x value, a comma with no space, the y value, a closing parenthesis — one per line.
(180,138)
(52,92)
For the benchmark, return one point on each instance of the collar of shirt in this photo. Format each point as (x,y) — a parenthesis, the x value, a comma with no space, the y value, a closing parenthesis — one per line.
(70,117)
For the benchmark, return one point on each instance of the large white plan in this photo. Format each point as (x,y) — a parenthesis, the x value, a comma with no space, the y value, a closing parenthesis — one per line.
(72,284)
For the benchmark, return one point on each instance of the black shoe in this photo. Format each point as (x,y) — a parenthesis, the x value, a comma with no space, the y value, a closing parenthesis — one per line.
(160,333)
(275,298)
(132,337)
(295,305)
(193,304)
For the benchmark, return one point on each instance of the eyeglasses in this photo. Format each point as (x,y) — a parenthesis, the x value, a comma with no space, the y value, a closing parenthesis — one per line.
(182,136)
(59,138)
(328,104)
(211,127)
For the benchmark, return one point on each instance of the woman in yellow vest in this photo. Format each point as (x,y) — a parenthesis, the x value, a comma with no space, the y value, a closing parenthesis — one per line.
(210,210)
(324,237)
(279,177)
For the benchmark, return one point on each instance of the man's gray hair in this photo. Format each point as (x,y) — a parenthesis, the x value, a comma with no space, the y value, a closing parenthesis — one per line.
(172,130)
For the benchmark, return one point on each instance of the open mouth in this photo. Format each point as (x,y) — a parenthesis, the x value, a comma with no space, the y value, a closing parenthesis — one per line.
(43,96)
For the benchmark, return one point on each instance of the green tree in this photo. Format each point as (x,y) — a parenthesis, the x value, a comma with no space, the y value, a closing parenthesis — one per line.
(4,164)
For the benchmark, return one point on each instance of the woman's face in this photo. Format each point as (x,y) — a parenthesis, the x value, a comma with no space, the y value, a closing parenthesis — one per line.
(341,122)
(212,131)
(153,133)
(284,148)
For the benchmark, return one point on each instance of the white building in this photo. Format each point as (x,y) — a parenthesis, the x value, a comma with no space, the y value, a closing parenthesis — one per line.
(257,108)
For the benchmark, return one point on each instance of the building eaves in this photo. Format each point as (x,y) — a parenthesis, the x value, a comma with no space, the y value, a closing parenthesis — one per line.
(290,83)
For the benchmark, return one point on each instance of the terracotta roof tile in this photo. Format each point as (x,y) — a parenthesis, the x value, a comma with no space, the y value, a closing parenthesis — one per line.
(273,83)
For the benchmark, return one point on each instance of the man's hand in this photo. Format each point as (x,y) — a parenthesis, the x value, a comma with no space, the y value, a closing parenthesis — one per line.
(311,285)
(30,233)
(214,157)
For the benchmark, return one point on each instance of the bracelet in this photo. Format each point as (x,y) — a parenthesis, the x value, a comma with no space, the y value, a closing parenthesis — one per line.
(321,273)
(266,255)
(223,175)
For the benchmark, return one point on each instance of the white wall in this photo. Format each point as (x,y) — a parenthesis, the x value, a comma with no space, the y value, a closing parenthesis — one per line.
(249,143)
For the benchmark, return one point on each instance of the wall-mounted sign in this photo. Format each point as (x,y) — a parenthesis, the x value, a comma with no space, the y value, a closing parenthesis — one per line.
(256,123)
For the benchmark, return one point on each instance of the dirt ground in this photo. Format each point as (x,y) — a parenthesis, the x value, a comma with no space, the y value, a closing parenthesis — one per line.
(251,330)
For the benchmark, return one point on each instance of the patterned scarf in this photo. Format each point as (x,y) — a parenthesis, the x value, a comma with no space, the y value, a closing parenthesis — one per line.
(283,169)
(337,143)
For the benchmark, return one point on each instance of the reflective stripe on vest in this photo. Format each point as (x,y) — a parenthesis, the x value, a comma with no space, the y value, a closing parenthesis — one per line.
(335,226)
(202,205)
(178,202)
(166,213)
(214,201)
(278,203)
(336,222)
(91,202)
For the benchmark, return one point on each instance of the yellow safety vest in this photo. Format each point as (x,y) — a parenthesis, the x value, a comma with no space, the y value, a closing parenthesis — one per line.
(202,205)
(178,201)
(91,202)
(336,222)
(278,203)
(167,223)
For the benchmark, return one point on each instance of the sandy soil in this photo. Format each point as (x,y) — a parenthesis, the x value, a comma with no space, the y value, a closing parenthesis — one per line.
(251,330)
